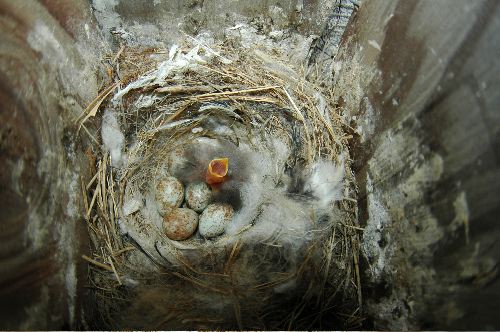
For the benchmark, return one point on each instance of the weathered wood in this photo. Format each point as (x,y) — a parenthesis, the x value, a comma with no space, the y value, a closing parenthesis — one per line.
(422,79)
(43,83)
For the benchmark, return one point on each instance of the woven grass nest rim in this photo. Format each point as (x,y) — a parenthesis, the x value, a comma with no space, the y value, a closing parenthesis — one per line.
(268,109)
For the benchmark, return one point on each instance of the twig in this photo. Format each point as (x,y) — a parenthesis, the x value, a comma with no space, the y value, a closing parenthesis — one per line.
(90,135)
(92,181)
(96,263)
(238,92)
(358,278)
(84,194)
(353,227)
(301,117)
(118,54)
(183,89)
(232,256)
(199,283)
(121,251)
(102,181)
(176,114)
(114,270)
(91,110)
(92,202)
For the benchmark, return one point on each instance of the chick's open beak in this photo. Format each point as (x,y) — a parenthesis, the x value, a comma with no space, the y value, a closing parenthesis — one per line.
(217,171)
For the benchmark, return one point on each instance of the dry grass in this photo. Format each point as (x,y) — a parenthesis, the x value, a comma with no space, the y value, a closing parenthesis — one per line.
(260,97)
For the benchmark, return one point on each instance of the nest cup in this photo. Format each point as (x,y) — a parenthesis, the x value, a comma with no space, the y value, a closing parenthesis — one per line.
(288,257)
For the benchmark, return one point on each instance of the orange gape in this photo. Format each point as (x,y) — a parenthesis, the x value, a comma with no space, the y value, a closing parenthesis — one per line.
(217,171)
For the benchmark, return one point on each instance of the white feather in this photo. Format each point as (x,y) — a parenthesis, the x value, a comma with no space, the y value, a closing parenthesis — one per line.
(112,137)
(326,182)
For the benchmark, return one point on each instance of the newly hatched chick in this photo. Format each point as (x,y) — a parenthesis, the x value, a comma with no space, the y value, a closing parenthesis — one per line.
(197,158)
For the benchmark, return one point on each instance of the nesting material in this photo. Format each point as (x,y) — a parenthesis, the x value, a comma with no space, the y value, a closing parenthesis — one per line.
(267,172)
(112,137)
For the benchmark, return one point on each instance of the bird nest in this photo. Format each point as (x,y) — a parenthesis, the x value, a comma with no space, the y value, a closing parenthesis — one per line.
(287,258)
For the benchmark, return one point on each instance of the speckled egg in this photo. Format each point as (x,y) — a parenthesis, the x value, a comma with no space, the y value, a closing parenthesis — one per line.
(169,194)
(214,219)
(180,223)
(198,196)
(175,161)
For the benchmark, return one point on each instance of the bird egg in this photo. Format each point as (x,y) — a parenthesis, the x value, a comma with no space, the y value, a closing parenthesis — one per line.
(169,194)
(214,219)
(180,223)
(198,196)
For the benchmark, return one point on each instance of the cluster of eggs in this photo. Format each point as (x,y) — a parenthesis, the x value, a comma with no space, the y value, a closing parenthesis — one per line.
(180,223)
